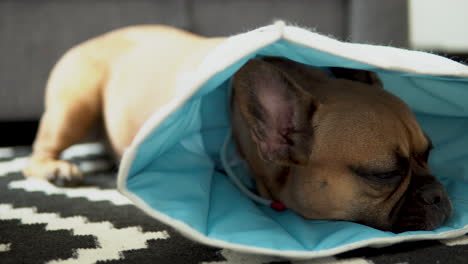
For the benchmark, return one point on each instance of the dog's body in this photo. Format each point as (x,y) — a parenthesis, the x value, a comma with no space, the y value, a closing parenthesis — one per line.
(328,145)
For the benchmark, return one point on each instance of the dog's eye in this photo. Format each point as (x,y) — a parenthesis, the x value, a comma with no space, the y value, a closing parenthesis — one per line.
(385,176)
(388,177)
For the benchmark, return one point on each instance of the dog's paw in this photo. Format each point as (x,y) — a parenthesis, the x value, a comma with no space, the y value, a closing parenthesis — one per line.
(59,172)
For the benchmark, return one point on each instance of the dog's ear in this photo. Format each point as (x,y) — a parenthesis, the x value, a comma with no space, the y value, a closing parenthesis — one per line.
(278,112)
(357,75)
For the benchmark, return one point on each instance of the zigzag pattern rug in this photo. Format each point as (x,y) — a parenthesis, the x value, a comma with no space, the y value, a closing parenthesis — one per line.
(41,223)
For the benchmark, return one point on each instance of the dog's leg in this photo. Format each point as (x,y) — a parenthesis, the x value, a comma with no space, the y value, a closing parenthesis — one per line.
(73,104)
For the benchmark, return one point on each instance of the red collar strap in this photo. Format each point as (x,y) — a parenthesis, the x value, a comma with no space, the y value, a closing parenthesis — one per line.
(278,206)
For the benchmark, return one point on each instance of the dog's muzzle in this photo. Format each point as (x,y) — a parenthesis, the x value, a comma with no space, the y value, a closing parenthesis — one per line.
(423,207)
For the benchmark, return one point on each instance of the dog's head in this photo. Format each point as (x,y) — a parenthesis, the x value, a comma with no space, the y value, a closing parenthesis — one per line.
(335,145)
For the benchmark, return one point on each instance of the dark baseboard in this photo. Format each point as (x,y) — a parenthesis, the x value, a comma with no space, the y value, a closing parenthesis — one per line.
(17,133)
(462,58)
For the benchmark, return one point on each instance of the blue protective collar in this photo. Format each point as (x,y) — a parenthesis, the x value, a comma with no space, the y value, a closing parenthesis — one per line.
(174,168)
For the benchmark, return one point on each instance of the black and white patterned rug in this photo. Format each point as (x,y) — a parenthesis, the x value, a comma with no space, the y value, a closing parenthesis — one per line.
(41,223)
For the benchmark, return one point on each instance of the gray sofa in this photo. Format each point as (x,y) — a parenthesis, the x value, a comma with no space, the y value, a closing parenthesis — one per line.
(34,34)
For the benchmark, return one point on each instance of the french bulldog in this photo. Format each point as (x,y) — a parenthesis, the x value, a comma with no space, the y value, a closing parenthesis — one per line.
(326,143)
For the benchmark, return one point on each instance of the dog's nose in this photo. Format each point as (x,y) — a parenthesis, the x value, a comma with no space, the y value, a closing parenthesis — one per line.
(431,194)
(432,197)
